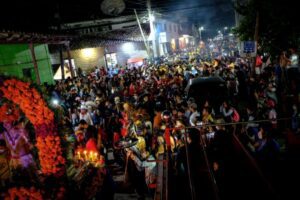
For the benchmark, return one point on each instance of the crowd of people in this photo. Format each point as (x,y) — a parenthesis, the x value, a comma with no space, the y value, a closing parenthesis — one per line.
(141,113)
(135,107)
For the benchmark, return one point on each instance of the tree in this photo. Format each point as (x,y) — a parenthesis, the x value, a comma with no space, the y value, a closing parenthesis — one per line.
(278,29)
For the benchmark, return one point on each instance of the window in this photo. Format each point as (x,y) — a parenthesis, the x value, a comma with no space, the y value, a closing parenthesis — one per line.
(165,27)
(27,72)
(111,60)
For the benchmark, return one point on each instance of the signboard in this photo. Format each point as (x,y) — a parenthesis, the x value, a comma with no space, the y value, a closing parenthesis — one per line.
(248,49)
(162,37)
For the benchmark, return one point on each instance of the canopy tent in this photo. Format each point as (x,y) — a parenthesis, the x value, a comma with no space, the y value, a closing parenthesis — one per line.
(58,75)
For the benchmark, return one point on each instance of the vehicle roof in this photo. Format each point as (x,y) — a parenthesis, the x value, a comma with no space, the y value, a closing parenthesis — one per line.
(211,79)
(204,80)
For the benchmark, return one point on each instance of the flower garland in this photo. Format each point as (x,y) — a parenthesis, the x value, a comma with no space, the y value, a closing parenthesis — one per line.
(36,110)
(50,154)
(23,193)
(32,104)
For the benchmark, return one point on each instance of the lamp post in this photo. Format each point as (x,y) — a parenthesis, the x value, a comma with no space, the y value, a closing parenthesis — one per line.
(225,29)
(201,29)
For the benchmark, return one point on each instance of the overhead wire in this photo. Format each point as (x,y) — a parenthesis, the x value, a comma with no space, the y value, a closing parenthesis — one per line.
(207,5)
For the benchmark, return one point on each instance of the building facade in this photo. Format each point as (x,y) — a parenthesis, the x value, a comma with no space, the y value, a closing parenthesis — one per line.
(16,60)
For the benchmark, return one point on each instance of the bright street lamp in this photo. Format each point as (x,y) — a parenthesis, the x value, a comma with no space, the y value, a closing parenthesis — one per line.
(152,18)
(225,28)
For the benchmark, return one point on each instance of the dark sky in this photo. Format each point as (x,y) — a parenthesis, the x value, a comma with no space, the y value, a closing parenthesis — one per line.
(38,16)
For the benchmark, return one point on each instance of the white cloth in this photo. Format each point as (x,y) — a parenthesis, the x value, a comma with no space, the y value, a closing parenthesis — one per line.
(87,117)
(193,118)
(150,168)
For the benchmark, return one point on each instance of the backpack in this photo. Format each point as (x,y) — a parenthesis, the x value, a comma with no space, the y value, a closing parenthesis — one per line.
(235,116)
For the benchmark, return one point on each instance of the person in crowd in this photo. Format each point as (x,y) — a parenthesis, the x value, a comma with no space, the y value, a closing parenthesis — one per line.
(194,114)
(91,138)
(272,114)
(266,147)
(229,113)
(220,151)
(147,163)
(295,119)
(4,160)
(207,116)
(141,104)
(19,146)
(85,115)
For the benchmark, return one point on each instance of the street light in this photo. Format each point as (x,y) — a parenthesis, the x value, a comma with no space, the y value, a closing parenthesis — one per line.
(152,18)
(225,29)
(201,29)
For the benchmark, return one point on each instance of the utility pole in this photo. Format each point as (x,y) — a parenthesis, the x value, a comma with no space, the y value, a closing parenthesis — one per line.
(256,38)
(142,32)
(151,19)
(61,57)
(35,65)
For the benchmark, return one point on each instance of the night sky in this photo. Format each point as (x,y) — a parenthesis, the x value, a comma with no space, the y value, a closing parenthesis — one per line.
(38,16)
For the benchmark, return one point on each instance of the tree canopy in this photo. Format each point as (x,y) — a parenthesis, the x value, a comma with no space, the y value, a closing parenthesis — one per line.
(278,28)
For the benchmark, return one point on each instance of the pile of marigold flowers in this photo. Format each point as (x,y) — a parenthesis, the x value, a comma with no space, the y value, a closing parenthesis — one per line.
(36,110)
(23,193)
(9,113)
(50,154)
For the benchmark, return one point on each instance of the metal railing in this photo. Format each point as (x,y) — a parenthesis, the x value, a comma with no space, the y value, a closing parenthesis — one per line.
(246,154)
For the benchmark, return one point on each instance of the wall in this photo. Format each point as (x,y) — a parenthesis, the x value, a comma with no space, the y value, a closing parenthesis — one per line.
(170,31)
(86,59)
(14,58)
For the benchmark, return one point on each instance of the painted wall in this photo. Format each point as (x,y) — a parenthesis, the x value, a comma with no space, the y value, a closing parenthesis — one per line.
(88,58)
(16,60)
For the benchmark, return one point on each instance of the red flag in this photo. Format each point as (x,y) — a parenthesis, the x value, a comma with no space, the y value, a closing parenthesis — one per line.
(258,61)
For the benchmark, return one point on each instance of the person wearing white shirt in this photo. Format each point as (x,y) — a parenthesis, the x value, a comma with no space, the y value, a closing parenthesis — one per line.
(85,115)
(194,115)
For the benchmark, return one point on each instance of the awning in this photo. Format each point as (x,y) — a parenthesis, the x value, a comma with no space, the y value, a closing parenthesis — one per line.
(135,60)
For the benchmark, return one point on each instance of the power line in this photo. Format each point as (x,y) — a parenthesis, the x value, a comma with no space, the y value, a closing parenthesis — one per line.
(165,8)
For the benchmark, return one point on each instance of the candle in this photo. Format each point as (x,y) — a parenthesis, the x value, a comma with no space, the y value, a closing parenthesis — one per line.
(95,156)
(78,154)
(85,157)
(91,156)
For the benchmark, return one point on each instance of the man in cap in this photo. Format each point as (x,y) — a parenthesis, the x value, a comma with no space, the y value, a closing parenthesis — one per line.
(85,115)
